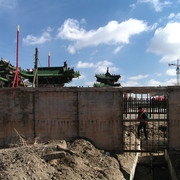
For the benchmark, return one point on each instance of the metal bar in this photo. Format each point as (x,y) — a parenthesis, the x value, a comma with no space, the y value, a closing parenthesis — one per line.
(158,123)
(150,107)
(151,113)
(158,113)
(130,122)
(150,120)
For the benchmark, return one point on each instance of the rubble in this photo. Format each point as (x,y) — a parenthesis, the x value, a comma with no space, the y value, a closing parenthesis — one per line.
(75,160)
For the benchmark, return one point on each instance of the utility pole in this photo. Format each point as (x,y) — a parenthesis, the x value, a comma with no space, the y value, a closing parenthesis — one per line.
(177,70)
(35,80)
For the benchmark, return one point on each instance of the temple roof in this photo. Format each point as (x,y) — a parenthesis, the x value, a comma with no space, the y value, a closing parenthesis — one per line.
(46,75)
(106,79)
(52,75)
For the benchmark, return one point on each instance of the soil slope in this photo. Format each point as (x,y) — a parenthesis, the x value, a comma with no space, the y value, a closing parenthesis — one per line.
(77,160)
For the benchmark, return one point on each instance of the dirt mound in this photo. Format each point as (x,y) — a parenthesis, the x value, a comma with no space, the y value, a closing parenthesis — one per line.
(75,160)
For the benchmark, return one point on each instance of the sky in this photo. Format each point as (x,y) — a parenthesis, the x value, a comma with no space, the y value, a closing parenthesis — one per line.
(136,39)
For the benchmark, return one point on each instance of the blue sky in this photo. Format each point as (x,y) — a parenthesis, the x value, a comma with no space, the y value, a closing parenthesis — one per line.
(134,38)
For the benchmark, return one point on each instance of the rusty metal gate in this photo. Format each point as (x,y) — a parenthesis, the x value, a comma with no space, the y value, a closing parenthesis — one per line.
(157,128)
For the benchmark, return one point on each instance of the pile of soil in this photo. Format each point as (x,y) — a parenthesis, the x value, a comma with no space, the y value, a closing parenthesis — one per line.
(77,160)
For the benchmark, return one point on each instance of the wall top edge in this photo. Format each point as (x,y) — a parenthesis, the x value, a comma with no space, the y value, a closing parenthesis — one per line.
(60,89)
(143,89)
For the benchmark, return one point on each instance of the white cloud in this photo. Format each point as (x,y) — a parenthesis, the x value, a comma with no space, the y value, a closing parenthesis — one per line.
(157,74)
(174,17)
(154,26)
(138,77)
(85,65)
(112,33)
(33,40)
(130,83)
(132,6)
(8,3)
(158,6)
(103,69)
(49,29)
(70,30)
(166,42)
(169,82)
(118,49)
(89,83)
(171,72)
(81,77)
(100,67)
(153,82)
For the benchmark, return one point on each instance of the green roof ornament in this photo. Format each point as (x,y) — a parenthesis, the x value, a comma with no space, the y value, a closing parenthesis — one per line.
(107,80)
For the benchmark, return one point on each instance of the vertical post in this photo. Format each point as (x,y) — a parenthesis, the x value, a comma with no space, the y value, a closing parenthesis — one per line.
(17,65)
(36,67)
(177,72)
(78,124)
(49,59)
(17,60)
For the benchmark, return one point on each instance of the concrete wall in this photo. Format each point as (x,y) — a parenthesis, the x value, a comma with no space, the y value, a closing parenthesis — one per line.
(100,117)
(16,112)
(174,117)
(67,113)
(62,113)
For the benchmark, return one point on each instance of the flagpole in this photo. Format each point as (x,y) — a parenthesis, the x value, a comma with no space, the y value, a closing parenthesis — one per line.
(17,66)
(49,59)
(17,60)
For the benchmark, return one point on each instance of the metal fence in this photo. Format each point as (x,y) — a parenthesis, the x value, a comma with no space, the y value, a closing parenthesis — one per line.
(157,126)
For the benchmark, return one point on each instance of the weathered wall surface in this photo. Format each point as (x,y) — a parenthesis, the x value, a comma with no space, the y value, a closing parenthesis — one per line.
(100,117)
(16,113)
(67,113)
(56,114)
(62,113)
(174,117)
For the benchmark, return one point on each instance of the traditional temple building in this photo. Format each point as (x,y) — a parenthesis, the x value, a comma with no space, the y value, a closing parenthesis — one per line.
(51,76)
(107,80)
(47,76)
(7,74)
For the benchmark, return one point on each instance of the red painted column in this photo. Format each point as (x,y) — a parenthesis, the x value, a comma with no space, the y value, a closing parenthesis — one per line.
(17,65)
(49,59)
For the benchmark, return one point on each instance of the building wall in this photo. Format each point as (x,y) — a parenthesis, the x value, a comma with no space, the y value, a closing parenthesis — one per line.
(16,114)
(174,117)
(62,113)
(100,117)
(67,113)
